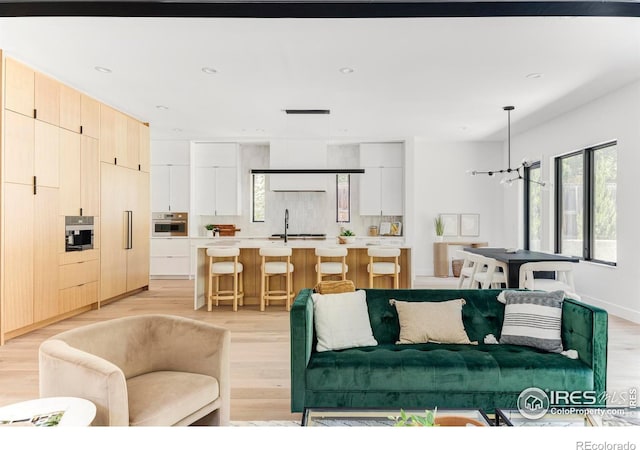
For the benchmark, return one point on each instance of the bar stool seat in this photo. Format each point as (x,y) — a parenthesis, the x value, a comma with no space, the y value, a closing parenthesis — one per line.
(220,266)
(331,268)
(269,269)
(384,267)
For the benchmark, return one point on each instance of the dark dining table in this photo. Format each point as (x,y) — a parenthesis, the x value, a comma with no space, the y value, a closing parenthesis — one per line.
(515,259)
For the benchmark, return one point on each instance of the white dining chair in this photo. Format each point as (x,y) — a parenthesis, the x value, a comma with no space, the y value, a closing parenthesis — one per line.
(563,280)
(468,270)
(488,275)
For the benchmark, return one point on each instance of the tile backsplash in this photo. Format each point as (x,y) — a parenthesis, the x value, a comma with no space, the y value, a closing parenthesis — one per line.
(309,212)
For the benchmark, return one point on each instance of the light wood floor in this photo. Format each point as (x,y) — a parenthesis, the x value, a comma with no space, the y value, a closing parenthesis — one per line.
(260,349)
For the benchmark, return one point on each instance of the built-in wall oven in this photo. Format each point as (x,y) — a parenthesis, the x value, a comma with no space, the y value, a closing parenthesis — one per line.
(78,233)
(170,224)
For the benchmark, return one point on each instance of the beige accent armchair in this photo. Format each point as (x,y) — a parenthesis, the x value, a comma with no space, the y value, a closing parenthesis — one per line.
(154,370)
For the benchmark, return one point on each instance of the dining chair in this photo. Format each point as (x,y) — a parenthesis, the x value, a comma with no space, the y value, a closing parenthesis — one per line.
(468,270)
(488,274)
(563,280)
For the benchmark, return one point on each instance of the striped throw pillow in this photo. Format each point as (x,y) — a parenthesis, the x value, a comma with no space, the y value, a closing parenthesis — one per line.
(533,319)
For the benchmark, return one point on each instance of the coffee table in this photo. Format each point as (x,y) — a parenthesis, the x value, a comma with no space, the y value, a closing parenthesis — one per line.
(373,417)
(561,418)
(49,411)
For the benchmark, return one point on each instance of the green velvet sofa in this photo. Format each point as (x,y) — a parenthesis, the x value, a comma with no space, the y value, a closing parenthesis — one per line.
(442,375)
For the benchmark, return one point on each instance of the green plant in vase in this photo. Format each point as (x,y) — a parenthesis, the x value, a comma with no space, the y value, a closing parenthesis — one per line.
(415,420)
(439,224)
(346,236)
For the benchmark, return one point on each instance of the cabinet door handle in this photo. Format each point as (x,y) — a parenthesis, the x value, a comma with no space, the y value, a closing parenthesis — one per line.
(80,129)
(35,185)
(129,230)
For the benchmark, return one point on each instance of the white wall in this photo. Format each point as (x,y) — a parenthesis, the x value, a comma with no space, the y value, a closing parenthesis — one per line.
(440,184)
(614,116)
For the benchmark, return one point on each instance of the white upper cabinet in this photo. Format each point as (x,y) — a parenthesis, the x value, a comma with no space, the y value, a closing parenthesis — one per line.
(382,184)
(216,187)
(170,176)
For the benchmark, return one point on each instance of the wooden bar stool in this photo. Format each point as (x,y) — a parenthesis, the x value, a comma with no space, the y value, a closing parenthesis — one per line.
(384,268)
(223,261)
(276,268)
(331,268)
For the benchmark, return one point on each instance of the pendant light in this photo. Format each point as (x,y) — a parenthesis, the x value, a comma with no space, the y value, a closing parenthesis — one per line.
(511,174)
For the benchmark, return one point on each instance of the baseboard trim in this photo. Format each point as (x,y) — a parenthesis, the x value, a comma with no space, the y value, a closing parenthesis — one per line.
(617,310)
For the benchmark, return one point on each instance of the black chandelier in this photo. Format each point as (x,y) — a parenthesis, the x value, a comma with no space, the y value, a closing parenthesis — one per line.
(512,174)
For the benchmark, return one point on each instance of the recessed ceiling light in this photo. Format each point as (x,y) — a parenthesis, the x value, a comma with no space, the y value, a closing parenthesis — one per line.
(102,69)
(346,70)
(209,70)
(162,107)
(534,75)
(177,130)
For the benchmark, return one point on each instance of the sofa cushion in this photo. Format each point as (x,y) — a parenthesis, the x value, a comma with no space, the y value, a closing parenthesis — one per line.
(164,398)
(481,315)
(439,322)
(533,319)
(454,368)
(342,321)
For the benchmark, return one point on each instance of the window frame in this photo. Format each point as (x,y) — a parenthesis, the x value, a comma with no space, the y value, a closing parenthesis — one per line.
(588,188)
(253,197)
(527,203)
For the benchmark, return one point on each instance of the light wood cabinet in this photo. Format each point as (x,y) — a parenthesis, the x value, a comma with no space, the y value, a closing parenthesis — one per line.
(113,135)
(18,248)
(33,236)
(47,99)
(78,276)
(144,156)
(46,154)
(19,144)
(131,157)
(125,215)
(48,242)
(89,117)
(138,254)
(89,176)
(69,109)
(79,175)
(70,170)
(19,88)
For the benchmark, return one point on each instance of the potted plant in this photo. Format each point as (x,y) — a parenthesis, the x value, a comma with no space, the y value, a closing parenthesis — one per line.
(210,227)
(347,237)
(439,223)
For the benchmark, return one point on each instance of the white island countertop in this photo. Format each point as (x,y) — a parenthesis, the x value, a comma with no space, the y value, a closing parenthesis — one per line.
(259,242)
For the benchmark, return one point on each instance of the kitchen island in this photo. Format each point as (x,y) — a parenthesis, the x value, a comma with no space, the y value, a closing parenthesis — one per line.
(303,258)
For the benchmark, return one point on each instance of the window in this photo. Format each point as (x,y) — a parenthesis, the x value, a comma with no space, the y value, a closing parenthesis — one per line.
(259,203)
(343,197)
(533,207)
(586,213)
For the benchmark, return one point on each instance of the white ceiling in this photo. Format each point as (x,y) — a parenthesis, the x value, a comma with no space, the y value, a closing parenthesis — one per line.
(439,78)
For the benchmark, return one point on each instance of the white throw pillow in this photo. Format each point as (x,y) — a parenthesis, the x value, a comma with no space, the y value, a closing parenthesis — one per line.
(342,321)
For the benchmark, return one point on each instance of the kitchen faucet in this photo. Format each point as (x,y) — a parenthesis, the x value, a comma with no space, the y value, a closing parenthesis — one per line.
(286,224)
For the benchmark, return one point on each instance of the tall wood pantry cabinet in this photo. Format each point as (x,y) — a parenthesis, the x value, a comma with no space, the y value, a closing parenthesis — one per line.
(51,146)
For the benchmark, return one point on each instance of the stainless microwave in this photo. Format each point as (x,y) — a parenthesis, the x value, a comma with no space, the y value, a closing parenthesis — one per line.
(170,224)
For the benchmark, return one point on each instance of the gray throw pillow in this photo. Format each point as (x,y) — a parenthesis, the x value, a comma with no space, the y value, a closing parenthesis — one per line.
(533,319)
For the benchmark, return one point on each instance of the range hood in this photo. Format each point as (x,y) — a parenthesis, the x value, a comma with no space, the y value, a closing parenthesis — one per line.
(292,159)
(306,171)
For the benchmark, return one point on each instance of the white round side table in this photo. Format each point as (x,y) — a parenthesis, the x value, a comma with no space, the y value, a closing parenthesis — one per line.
(77,412)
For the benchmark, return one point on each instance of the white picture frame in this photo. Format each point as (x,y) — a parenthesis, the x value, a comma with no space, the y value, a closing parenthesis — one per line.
(450,224)
(470,225)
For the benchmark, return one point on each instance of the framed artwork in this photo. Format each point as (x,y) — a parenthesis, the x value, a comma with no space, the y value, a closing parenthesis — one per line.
(450,224)
(469,224)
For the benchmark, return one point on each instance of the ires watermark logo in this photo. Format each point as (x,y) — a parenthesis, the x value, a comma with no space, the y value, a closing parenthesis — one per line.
(533,403)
